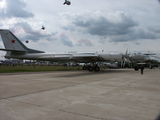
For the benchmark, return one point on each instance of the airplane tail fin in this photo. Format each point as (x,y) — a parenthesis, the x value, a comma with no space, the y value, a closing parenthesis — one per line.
(13,44)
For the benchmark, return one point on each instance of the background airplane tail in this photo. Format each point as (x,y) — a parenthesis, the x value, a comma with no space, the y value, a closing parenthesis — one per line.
(13,44)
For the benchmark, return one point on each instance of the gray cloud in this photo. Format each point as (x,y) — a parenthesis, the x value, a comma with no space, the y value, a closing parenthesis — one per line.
(155,30)
(137,43)
(141,34)
(85,42)
(117,27)
(103,26)
(135,35)
(1,25)
(70,28)
(65,40)
(15,8)
(30,33)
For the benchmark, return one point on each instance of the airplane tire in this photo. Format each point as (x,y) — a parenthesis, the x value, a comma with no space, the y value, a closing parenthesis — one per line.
(90,68)
(136,68)
(84,67)
(96,68)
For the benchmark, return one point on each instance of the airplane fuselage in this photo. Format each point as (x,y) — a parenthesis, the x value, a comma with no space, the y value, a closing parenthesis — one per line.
(67,57)
(139,58)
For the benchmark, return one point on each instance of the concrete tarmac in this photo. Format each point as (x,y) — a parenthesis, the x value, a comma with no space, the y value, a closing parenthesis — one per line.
(111,94)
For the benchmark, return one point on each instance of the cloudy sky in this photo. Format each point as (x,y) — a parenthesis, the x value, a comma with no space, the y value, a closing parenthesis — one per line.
(85,25)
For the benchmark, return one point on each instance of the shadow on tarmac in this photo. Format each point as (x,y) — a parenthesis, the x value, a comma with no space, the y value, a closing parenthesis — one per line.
(104,71)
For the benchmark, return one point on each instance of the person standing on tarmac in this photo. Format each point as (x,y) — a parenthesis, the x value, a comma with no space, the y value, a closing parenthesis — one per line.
(141,69)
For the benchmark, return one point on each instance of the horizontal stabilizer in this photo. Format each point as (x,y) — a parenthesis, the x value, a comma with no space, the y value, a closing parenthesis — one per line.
(11,50)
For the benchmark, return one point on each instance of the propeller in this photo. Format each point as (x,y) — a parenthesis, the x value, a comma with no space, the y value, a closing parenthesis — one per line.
(125,58)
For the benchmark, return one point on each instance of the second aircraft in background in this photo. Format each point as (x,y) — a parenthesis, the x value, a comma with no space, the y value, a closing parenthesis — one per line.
(67,2)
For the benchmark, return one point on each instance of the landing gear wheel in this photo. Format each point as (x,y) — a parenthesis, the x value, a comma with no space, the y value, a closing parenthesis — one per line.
(90,68)
(136,68)
(96,68)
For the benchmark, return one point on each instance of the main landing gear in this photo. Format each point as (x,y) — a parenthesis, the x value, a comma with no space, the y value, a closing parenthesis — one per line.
(90,68)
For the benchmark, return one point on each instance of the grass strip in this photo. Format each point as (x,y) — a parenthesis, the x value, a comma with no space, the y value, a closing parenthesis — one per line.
(37,68)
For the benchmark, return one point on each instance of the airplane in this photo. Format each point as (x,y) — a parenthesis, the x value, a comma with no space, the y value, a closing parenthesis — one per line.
(27,41)
(67,2)
(43,28)
(16,49)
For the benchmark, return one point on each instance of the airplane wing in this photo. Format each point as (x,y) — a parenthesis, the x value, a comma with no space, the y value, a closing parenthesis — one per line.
(90,57)
(84,57)
(156,57)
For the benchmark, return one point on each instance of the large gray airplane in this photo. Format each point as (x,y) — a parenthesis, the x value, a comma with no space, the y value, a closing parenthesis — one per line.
(16,49)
